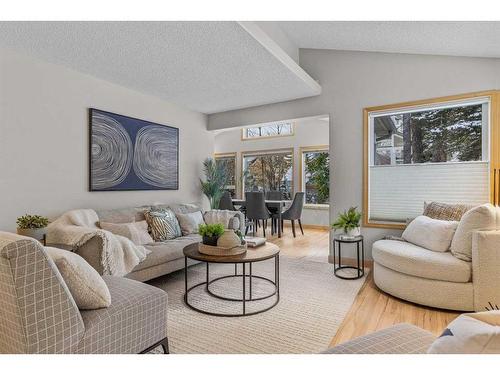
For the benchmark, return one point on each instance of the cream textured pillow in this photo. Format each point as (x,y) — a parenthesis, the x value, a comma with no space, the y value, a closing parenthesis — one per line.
(190,222)
(137,231)
(84,283)
(480,217)
(475,333)
(432,234)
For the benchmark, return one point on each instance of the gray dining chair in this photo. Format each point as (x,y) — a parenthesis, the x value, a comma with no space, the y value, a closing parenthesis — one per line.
(294,212)
(256,210)
(274,195)
(226,202)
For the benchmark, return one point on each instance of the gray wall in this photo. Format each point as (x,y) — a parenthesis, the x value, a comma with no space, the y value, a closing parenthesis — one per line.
(44,139)
(354,80)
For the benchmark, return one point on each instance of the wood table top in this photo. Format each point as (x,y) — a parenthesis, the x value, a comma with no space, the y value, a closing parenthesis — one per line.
(253,254)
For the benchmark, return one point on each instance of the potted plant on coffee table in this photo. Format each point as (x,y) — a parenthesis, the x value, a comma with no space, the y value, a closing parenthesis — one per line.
(349,222)
(210,233)
(34,226)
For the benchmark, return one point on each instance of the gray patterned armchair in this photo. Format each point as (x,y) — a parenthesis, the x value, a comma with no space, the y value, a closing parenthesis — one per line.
(38,313)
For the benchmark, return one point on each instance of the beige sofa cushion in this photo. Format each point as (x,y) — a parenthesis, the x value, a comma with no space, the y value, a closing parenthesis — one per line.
(432,234)
(474,333)
(480,217)
(122,215)
(137,231)
(414,260)
(84,283)
(167,251)
(190,222)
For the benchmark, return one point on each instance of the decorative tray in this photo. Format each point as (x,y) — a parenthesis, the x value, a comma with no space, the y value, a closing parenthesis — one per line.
(221,251)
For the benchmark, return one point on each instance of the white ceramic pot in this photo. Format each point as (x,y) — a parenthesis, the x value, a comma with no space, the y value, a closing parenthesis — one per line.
(354,232)
(228,239)
(36,233)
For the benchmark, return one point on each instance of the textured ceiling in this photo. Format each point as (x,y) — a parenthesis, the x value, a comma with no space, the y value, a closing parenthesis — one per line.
(480,39)
(205,66)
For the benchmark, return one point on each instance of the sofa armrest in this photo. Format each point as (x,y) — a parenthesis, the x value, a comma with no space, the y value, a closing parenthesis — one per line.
(91,251)
(486,268)
(399,339)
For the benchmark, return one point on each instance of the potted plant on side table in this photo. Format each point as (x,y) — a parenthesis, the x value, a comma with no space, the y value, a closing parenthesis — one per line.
(349,222)
(34,226)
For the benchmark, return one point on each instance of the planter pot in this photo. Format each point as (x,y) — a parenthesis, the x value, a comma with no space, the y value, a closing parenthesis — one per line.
(229,239)
(211,241)
(36,233)
(354,232)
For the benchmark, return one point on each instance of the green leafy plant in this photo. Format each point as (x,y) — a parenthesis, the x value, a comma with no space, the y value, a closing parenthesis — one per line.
(216,179)
(318,168)
(348,220)
(211,230)
(32,222)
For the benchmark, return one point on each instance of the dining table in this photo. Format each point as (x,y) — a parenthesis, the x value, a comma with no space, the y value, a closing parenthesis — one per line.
(278,203)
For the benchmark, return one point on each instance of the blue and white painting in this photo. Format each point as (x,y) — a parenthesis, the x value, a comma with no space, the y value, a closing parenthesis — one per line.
(132,154)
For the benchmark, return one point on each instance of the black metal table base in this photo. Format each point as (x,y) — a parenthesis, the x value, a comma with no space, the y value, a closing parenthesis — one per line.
(246,278)
(359,268)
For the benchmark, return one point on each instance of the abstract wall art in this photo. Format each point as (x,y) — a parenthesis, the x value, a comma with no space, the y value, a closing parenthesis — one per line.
(131,154)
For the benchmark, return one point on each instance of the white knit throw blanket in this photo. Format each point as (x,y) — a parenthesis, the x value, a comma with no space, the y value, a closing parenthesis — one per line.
(119,255)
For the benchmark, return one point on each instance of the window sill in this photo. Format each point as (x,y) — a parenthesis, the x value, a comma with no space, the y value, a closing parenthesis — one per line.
(317,206)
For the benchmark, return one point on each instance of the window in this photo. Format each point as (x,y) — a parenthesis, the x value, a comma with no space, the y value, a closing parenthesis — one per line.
(269,171)
(426,152)
(229,160)
(315,175)
(272,129)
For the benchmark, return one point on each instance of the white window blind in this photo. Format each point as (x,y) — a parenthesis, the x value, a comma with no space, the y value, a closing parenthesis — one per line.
(398,192)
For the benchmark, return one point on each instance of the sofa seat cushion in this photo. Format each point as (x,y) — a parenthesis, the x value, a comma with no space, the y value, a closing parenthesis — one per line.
(135,320)
(414,260)
(166,251)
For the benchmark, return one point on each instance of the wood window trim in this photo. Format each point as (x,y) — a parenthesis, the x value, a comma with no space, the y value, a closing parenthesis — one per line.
(494,127)
(290,150)
(302,149)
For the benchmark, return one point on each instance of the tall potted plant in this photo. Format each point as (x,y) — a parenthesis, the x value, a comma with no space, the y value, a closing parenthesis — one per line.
(348,221)
(216,180)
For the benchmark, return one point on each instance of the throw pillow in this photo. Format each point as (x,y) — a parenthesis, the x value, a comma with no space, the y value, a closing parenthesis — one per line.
(163,224)
(432,234)
(475,333)
(445,211)
(190,222)
(480,217)
(84,283)
(137,232)
(228,218)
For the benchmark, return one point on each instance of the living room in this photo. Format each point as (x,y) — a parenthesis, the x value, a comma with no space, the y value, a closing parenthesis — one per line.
(279,186)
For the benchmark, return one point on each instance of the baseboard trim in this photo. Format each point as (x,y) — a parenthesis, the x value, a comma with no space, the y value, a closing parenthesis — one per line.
(307,226)
(351,261)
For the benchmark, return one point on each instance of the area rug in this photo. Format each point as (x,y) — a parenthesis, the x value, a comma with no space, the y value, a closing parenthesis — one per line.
(313,303)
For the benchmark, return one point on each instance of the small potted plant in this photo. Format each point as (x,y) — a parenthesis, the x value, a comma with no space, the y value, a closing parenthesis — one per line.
(34,226)
(210,233)
(348,221)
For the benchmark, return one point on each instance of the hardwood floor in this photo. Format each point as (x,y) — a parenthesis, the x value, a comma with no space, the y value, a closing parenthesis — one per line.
(372,309)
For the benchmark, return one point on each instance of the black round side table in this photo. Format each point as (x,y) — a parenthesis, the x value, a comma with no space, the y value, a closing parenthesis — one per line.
(338,240)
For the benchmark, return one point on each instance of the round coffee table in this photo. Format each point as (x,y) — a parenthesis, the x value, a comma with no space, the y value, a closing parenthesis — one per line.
(253,255)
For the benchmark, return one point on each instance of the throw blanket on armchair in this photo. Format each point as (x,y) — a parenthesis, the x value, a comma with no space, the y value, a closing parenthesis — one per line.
(75,228)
